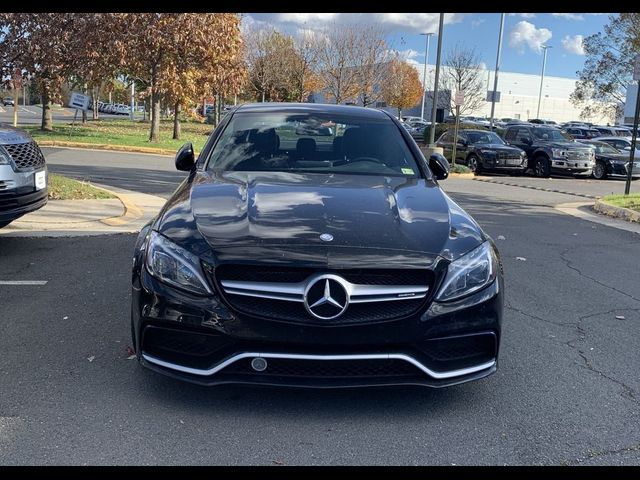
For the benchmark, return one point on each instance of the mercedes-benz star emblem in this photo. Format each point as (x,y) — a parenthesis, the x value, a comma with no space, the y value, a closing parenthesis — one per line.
(326,297)
(326,237)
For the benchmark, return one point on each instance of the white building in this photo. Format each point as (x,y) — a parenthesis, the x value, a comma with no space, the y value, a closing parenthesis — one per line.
(519,97)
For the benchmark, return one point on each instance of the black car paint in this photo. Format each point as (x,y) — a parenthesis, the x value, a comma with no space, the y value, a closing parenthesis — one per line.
(465,149)
(230,218)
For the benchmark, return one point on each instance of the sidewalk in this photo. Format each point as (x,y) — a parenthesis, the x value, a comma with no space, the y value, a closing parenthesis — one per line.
(69,218)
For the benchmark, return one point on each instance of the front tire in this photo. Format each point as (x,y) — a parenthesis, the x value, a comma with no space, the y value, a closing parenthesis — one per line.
(474,164)
(599,171)
(541,167)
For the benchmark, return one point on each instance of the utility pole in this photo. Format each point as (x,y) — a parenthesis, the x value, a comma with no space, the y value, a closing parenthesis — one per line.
(495,77)
(432,130)
(424,75)
(544,61)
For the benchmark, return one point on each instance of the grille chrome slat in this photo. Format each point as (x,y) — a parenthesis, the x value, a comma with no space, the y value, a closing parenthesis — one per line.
(294,292)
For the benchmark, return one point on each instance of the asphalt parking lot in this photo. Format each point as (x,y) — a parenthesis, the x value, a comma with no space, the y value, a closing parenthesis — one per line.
(566,391)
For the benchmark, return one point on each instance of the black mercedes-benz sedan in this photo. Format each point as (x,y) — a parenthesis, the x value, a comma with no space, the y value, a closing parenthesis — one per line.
(311,245)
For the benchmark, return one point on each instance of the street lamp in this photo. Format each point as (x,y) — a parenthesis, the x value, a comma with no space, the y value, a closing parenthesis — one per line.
(495,77)
(424,76)
(434,106)
(544,61)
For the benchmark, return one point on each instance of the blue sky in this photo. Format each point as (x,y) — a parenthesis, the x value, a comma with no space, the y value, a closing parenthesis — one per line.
(523,35)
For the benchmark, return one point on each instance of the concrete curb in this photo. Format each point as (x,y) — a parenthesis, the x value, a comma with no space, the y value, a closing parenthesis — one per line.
(131,211)
(586,211)
(107,147)
(461,175)
(616,212)
(531,187)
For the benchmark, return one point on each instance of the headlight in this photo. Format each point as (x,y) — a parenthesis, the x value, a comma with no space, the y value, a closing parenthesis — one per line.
(174,265)
(4,158)
(469,273)
(559,153)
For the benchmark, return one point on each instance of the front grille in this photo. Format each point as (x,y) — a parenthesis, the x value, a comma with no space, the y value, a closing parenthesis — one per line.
(253,273)
(292,311)
(508,156)
(578,155)
(27,156)
(295,311)
(283,367)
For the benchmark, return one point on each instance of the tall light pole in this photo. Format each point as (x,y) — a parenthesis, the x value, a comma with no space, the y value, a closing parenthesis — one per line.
(495,79)
(544,61)
(424,75)
(432,130)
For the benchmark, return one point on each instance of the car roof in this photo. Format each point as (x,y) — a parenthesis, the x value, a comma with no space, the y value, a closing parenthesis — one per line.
(351,110)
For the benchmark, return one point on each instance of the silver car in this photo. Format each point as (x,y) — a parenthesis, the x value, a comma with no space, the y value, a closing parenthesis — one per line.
(23,175)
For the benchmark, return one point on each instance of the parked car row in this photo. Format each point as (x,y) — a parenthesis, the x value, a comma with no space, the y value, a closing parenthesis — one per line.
(113,108)
(541,149)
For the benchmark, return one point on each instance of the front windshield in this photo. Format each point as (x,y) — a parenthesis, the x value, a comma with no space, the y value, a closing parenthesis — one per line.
(312,142)
(552,134)
(484,137)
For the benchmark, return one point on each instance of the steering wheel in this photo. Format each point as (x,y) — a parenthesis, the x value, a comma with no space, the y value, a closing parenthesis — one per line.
(360,159)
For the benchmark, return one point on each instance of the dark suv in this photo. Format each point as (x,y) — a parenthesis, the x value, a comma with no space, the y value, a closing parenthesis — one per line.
(549,151)
(583,133)
(483,150)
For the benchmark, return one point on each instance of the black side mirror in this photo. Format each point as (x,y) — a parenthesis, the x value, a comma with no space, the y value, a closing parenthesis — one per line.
(439,166)
(462,143)
(525,140)
(185,158)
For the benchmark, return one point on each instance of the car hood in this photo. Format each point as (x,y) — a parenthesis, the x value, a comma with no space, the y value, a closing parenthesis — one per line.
(10,135)
(255,215)
(496,146)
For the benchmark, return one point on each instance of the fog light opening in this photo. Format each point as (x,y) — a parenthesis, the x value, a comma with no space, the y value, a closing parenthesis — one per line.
(259,364)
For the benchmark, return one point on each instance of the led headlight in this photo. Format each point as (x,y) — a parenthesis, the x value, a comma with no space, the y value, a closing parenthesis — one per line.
(469,273)
(174,265)
(559,153)
(4,158)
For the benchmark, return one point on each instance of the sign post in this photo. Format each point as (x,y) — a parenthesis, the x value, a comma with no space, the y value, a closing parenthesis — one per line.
(78,101)
(636,76)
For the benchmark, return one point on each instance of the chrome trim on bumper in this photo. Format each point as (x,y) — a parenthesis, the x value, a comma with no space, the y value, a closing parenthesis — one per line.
(374,356)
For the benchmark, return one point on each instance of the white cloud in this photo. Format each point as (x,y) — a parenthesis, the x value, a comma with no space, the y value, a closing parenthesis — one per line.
(573,44)
(523,15)
(477,22)
(392,22)
(526,34)
(569,16)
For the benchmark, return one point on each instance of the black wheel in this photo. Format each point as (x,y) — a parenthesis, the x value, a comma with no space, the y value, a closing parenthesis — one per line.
(474,164)
(599,171)
(541,167)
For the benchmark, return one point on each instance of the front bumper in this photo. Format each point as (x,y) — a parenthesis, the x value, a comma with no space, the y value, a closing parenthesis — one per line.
(503,164)
(200,340)
(572,166)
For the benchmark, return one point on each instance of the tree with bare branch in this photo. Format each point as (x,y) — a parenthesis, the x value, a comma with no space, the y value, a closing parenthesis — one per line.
(462,73)
(337,53)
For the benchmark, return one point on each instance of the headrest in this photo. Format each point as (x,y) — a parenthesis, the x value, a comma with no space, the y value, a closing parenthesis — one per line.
(264,141)
(306,148)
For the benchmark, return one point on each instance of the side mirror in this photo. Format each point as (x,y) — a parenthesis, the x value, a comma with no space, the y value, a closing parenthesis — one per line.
(439,166)
(627,148)
(185,158)
(526,140)
(462,143)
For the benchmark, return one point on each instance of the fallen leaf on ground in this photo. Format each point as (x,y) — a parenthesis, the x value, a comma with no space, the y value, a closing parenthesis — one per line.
(501,237)
(521,258)
(277,462)
(131,357)
(620,317)
(91,358)
(130,350)
(65,318)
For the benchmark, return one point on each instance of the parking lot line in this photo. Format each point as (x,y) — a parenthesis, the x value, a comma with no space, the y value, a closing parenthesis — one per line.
(23,282)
